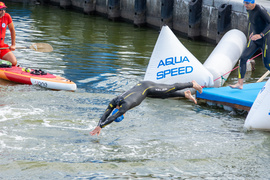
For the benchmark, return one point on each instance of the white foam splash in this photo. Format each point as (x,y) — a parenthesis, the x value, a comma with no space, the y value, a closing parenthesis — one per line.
(12,112)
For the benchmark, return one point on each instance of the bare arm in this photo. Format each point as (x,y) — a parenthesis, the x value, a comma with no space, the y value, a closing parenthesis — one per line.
(101,124)
(13,36)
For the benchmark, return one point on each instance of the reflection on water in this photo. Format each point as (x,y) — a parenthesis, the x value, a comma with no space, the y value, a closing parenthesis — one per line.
(45,134)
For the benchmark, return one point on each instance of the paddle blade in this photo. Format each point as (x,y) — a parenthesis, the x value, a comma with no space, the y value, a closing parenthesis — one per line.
(41,47)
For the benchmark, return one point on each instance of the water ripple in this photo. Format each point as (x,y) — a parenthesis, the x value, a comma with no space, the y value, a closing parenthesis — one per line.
(45,134)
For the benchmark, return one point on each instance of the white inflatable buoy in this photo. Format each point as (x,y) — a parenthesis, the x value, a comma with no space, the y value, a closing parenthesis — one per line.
(225,55)
(171,62)
(259,114)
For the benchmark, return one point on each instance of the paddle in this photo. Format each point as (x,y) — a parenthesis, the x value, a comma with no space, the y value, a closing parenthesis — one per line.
(40,47)
(264,76)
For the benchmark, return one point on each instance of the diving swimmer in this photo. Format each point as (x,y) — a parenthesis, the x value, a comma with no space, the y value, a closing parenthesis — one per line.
(137,94)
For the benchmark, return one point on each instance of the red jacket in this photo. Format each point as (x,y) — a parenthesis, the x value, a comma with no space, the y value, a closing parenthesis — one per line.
(4,21)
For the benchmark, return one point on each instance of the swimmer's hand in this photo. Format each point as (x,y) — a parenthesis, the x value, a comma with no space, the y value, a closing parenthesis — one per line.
(96,131)
(255,37)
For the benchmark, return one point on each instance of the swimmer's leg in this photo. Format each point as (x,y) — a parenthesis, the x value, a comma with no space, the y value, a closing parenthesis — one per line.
(187,94)
(248,52)
(162,90)
(197,86)
(193,84)
(266,52)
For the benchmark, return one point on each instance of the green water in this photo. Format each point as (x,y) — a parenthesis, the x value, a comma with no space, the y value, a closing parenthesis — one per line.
(45,134)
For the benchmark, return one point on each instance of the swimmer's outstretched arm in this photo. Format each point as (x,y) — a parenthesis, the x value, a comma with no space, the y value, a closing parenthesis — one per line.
(105,123)
(109,120)
(108,111)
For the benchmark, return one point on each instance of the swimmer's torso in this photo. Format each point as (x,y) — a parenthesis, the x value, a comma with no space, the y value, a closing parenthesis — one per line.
(259,20)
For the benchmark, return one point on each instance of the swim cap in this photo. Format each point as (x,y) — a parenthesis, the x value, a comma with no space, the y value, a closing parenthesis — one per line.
(250,1)
(119,119)
(2,5)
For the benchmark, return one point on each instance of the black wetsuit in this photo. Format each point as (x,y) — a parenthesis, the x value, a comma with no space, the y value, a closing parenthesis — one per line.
(137,94)
(259,22)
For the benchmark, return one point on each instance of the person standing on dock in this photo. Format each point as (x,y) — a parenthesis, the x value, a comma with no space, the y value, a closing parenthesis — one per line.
(133,97)
(6,21)
(259,37)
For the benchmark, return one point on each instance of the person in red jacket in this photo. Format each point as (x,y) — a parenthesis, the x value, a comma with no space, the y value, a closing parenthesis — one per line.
(6,21)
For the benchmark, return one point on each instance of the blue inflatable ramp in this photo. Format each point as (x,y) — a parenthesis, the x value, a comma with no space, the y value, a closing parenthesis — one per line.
(236,98)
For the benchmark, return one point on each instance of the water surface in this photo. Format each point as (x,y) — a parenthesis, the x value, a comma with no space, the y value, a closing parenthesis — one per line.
(45,134)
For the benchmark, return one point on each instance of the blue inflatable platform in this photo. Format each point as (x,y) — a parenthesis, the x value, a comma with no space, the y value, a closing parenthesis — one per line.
(236,98)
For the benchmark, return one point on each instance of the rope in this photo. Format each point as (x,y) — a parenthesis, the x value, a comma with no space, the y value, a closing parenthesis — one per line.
(235,68)
(222,80)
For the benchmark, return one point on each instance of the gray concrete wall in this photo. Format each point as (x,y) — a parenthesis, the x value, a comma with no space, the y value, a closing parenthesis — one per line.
(153,12)
(101,6)
(181,16)
(127,10)
(207,29)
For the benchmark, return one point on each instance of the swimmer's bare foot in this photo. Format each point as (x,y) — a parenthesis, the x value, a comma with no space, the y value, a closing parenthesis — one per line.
(197,86)
(188,95)
(238,85)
